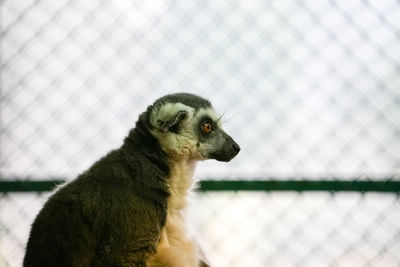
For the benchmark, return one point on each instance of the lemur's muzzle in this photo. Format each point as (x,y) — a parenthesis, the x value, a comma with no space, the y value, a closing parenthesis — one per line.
(227,150)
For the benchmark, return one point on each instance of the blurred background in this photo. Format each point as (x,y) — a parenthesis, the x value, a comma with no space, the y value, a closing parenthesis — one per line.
(309,89)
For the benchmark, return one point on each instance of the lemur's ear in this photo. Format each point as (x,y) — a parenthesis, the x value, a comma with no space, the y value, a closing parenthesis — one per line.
(169,116)
(173,122)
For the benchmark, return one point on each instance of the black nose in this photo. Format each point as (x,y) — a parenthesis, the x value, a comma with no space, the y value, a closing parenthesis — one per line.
(236,148)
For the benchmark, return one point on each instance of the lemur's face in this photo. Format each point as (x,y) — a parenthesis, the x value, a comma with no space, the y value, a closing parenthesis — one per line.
(192,133)
(213,141)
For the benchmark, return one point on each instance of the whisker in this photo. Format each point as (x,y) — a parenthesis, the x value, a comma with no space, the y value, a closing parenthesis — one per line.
(219,119)
(231,117)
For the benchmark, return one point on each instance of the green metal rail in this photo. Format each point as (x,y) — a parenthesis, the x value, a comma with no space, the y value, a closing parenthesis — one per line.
(385,186)
(302,185)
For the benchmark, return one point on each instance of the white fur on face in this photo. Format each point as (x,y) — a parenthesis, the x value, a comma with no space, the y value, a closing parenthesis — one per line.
(177,146)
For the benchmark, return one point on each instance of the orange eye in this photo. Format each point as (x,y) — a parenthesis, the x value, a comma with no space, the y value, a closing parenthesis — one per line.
(207,128)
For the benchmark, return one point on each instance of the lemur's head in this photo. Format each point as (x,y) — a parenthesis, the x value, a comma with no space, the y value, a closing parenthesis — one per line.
(187,127)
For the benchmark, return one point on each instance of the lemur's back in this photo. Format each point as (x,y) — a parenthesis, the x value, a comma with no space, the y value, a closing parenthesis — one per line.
(95,219)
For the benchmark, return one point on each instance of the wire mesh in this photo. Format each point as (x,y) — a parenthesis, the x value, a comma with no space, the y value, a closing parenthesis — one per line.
(308,89)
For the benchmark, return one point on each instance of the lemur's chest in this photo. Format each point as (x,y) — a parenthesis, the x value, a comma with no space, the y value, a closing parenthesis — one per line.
(180,183)
(175,246)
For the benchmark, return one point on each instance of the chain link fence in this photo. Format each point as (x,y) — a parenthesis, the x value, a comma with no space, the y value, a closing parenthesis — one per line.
(309,89)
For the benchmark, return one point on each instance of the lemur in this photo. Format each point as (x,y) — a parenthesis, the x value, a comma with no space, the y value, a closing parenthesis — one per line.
(127,208)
